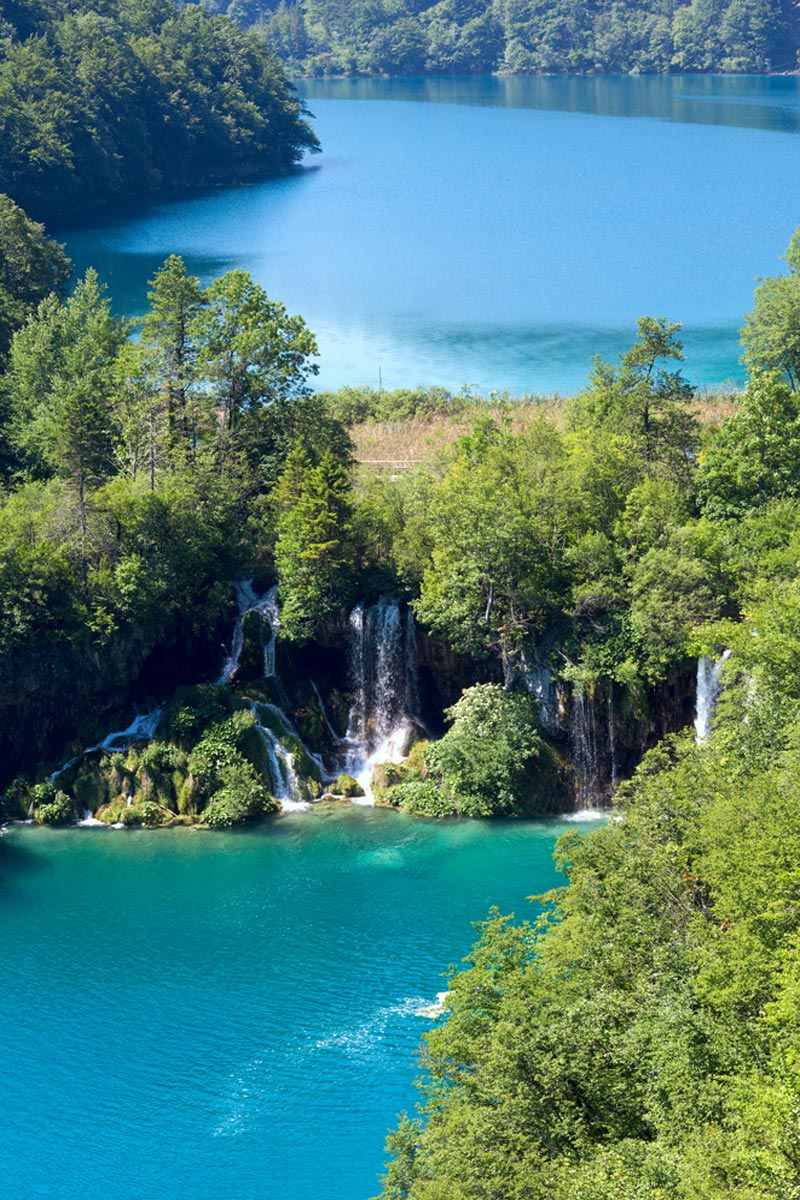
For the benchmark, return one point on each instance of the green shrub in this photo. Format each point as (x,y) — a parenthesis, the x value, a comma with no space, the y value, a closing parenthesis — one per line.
(58,811)
(243,798)
(421,797)
(15,803)
(485,759)
(143,812)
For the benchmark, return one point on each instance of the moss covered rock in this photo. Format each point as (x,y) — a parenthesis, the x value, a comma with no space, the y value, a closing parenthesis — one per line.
(347,786)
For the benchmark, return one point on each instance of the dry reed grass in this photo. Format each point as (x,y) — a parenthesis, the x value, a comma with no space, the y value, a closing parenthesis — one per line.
(399,445)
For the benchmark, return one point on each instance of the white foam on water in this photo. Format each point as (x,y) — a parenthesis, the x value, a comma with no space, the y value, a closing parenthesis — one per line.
(586,814)
(360,1040)
(90,822)
(435,1010)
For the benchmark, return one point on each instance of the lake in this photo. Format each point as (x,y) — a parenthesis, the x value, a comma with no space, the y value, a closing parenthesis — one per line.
(498,233)
(187,1015)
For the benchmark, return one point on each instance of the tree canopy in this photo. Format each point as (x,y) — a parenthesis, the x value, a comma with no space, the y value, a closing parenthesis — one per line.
(106,100)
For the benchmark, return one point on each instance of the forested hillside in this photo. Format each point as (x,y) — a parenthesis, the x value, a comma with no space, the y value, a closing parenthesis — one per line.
(106,99)
(406,37)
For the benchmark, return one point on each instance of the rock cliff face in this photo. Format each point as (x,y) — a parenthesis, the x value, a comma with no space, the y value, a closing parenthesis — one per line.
(58,698)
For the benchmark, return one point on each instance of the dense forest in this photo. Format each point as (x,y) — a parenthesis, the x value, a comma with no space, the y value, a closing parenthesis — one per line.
(413,37)
(108,99)
(603,540)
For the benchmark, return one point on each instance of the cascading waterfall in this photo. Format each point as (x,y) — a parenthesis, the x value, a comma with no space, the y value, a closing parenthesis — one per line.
(334,736)
(286,785)
(584,745)
(267,606)
(270,611)
(708,689)
(141,729)
(382,719)
(383,671)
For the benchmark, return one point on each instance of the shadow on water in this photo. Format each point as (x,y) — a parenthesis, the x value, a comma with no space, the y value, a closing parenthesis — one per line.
(108,239)
(743,102)
(18,857)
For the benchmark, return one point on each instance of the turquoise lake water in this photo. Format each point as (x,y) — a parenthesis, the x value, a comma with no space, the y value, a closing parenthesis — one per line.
(499,233)
(192,1016)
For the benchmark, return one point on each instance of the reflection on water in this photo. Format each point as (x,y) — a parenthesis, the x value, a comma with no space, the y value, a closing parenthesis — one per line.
(747,102)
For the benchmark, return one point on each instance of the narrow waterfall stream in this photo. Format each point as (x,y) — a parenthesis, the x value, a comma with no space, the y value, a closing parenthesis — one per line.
(583,737)
(383,716)
(708,689)
(266,606)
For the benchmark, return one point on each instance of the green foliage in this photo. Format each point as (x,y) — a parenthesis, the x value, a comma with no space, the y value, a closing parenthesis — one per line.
(241,798)
(771,333)
(31,267)
(645,404)
(424,798)
(320,37)
(52,806)
(493,524)
(639,1038)
(99,101)
(354,405)
(253,354)
(144,812)
(484,759)
(345,785)
(754,456)
(316,552)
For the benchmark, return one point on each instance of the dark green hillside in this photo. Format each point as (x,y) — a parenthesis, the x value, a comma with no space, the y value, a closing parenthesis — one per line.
(404,37)
(100,101)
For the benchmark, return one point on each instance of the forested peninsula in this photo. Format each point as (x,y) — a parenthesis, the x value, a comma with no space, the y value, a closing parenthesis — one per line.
(406,37)
(112,99)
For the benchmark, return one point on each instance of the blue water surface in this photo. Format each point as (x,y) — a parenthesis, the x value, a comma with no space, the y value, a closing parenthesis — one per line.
(499,232)
(196,1016)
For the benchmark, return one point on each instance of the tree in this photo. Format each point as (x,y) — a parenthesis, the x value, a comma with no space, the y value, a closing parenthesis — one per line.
(316,554)
(754,456)
(61,377)
(485,757)
(494,526)
(771,333)
(176,301)
(645,403)
(31,267)
(252,353)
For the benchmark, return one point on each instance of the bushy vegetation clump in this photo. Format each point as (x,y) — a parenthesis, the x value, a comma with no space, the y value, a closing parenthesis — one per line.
(483,762)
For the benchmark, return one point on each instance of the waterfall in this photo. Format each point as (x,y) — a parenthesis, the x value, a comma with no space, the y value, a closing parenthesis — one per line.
(584,745)
(382,662)
(88,821)
(141,729)
(538,679)
(708,688)
(266,606)
(612,737)
(270,611)
(286,784)
(324,712)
